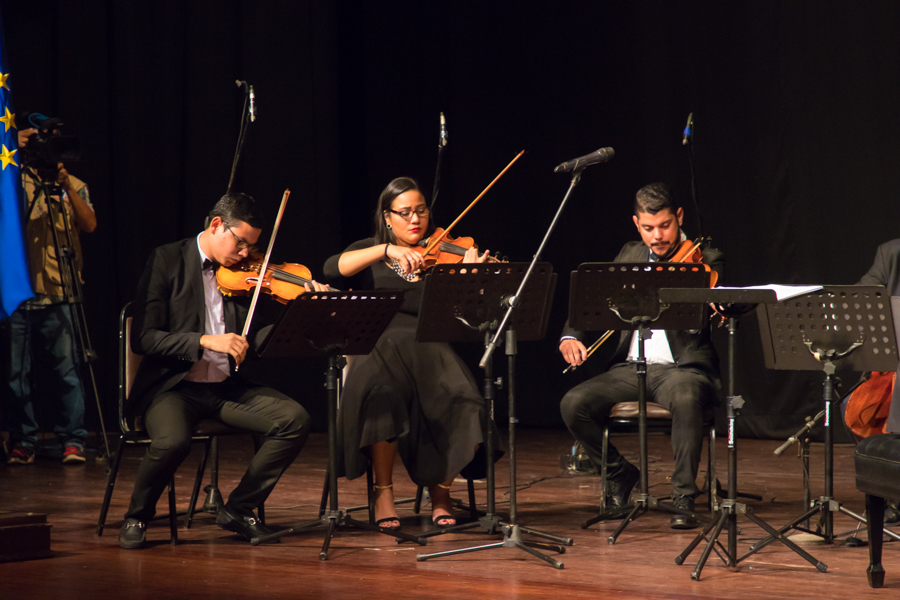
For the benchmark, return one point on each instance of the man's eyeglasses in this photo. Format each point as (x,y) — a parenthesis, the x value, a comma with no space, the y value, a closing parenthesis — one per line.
(241,244)
(407,214)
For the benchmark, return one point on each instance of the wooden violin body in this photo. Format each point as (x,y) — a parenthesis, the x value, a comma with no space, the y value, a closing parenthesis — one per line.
(283,282)
(448,251)
(689,252)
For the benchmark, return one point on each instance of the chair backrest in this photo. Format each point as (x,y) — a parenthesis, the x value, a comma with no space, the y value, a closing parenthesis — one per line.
(128,364)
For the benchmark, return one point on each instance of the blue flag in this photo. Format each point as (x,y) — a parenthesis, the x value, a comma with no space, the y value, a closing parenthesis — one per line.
(15,284)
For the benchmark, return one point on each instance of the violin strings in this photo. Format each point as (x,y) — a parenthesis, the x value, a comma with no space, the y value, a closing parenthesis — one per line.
(290,277)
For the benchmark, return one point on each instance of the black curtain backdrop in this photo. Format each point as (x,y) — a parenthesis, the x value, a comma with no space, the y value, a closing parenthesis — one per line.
(796,139)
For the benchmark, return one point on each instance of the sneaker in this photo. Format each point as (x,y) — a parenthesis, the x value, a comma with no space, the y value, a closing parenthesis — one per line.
(20,456)
(73,455)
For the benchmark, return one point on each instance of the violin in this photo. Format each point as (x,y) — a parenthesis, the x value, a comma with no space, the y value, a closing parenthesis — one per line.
(283,282)
(689,252)
(440,248)
(448,251)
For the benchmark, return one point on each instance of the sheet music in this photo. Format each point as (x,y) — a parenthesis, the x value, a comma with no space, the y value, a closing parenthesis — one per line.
(782,292)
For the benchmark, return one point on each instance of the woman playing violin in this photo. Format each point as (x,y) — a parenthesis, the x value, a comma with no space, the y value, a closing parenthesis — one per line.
(418,400)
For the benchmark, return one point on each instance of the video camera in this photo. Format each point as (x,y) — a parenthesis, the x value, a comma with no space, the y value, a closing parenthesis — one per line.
(48,147)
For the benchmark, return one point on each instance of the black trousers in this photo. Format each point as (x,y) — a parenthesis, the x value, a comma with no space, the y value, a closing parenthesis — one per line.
(172,416)
(686,393)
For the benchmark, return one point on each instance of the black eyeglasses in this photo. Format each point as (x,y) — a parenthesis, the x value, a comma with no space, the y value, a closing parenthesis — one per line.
(241,244)
(407,214)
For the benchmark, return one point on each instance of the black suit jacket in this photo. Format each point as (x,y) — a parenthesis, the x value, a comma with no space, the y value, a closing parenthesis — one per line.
(169,318)
(689,349)
(886,271)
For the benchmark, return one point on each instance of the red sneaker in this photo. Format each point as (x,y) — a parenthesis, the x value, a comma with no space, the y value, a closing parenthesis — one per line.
(73,455)
(20,456)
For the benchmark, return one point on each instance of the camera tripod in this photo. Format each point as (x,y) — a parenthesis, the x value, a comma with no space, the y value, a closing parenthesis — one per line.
(72,296)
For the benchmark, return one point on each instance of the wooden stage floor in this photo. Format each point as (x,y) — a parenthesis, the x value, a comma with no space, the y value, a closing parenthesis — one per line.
(210,562)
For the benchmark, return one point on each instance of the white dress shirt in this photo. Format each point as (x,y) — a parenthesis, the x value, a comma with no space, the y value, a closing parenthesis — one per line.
(212,366)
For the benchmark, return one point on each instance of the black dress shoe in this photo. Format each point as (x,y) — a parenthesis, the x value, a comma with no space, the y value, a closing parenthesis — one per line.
(245,525)
(618,491)
(683,521)
(133,534)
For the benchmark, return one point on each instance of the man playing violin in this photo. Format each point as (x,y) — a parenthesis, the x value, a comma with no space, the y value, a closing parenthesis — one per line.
(682,370)
(186,331)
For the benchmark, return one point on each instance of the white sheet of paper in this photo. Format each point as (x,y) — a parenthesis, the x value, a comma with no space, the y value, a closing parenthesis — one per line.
(782,292)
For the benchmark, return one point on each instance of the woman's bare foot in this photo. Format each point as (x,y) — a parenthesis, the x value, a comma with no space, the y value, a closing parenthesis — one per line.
(385,512)
(441,505)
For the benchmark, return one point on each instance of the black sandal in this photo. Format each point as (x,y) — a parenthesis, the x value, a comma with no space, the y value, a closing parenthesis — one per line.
(379,522)
(440,523)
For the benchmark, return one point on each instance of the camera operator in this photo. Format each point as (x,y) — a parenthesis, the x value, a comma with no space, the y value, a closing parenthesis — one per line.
(38,340)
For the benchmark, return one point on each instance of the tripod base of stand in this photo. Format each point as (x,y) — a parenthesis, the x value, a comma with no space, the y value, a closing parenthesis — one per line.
(825,506)
(641,506)
(332,521)
(213,500)
(512,538)
(729,511)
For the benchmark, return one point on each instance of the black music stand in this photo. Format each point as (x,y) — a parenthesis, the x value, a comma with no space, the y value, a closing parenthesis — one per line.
(730,303)
(851,325)
(626,296)
(332,324)
(464,303)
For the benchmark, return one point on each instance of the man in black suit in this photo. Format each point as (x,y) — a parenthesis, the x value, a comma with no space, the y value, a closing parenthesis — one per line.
(185,328)
(682,371)
(885,270)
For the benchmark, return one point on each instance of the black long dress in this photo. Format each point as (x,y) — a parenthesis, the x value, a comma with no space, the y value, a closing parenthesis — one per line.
(420,394)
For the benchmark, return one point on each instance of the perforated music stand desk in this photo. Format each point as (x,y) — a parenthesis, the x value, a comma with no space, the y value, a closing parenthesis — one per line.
(832,320)
(616,296)
(332,324)
(475,292)
(465,303)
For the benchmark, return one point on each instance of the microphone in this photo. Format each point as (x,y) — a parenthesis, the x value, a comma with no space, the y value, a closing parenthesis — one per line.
(576,164)
(786,445)
(444,137)
(688,131)
(252,105)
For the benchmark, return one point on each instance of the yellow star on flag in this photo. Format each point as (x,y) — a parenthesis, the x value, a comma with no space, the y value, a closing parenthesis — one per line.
(9,119)
(6,157)
(3,80)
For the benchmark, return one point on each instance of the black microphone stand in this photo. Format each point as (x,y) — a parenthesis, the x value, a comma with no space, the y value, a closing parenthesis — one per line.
(512,531)
(214,497)
(442,143)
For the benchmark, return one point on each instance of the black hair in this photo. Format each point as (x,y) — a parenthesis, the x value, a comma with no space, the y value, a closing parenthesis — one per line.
(653,198)
(235,207)
(398,186)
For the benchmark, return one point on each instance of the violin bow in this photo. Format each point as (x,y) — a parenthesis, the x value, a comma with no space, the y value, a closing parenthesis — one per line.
(440,238)
(265,266)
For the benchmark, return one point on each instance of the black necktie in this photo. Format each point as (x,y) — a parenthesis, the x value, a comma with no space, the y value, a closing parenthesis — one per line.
(210,264)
